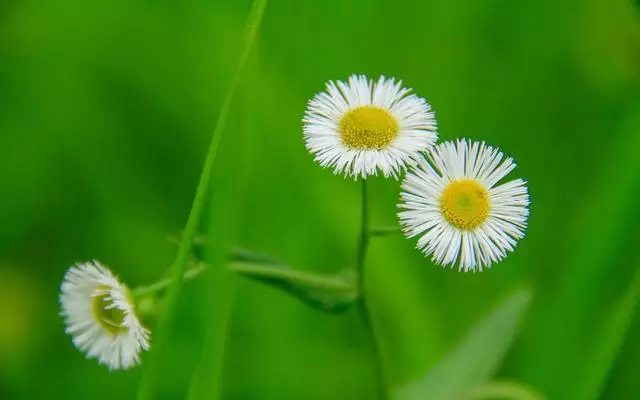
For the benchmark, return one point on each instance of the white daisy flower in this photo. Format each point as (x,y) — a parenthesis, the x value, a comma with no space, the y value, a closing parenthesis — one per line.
(360,127)
(454,203)
(100,315)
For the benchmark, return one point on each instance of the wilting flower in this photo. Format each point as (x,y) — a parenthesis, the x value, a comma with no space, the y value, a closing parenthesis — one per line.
(99,314)
(454,202)
(361,126)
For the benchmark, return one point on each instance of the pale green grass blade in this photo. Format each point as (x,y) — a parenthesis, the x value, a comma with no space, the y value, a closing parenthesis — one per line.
(609,341)
(503,390)
(222,231)
(476,359)
(161,336)
(565,324)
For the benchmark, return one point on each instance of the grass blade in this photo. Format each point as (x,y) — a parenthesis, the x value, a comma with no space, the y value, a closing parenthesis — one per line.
(476,359)
(610,339)
(161,338)
(503,390)
(222,231)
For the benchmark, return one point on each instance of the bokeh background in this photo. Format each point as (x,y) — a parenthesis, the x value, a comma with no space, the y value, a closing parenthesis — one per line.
(106,111)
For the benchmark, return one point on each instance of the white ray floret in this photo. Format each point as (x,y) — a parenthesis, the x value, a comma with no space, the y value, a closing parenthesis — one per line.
(361,127)
(100,316)
(452,200)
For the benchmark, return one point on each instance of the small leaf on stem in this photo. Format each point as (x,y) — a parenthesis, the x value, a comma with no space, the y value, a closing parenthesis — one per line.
(329,293)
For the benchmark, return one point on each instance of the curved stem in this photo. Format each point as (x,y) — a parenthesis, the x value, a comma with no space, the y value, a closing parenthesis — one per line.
(363,307)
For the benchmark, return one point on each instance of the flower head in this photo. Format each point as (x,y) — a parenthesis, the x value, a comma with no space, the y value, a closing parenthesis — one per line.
(100,315)
(361,126)
(454,203)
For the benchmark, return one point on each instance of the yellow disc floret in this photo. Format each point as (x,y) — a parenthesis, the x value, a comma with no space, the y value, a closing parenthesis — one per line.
(368,127)
(109,317)
(465,204)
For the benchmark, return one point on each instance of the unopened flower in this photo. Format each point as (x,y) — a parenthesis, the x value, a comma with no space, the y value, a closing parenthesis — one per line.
(453,202)
(100,316)
(361,126)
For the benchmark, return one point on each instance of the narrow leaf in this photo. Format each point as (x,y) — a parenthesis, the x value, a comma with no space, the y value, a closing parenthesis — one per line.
(476,358)
(609,341)
(329,293)
(224,228)
(503,390)
(161,338)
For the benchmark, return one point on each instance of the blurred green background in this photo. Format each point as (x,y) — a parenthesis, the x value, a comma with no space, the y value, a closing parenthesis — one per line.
(106,111)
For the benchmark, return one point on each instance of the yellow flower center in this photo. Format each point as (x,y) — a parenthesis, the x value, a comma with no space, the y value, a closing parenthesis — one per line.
(465,204)
(110,319)
(368,127)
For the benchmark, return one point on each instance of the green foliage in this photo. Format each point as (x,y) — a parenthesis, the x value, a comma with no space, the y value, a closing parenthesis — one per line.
(476,359)
(106,112)
(609,334)
(330,293)
(197,209)
(502,390)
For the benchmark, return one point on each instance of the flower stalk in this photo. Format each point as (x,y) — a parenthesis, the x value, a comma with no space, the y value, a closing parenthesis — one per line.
(163,284)
(362,304)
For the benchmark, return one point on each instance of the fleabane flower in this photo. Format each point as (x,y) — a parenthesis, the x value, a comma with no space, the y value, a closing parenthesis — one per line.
(361,126)
(99,314)
(452,200)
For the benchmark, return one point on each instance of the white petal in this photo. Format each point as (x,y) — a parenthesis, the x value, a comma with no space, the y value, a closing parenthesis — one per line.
(81,284)
(420,215)
(417,127)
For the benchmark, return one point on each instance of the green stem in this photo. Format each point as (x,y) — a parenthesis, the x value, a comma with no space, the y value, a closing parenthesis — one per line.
(364,237)
(384,231)
(245,262)
(363,307)
(149,374)
(164,283)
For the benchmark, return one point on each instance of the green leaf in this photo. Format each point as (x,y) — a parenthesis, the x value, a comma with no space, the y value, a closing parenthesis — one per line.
(224,228)
(329,293)
(610,339)
(476,358)
(503,390)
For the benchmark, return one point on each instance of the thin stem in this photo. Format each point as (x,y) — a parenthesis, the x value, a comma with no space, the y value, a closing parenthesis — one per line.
(164,283)
(364,237)
(145,390)
(244,262)
(363,307)
(384,231)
